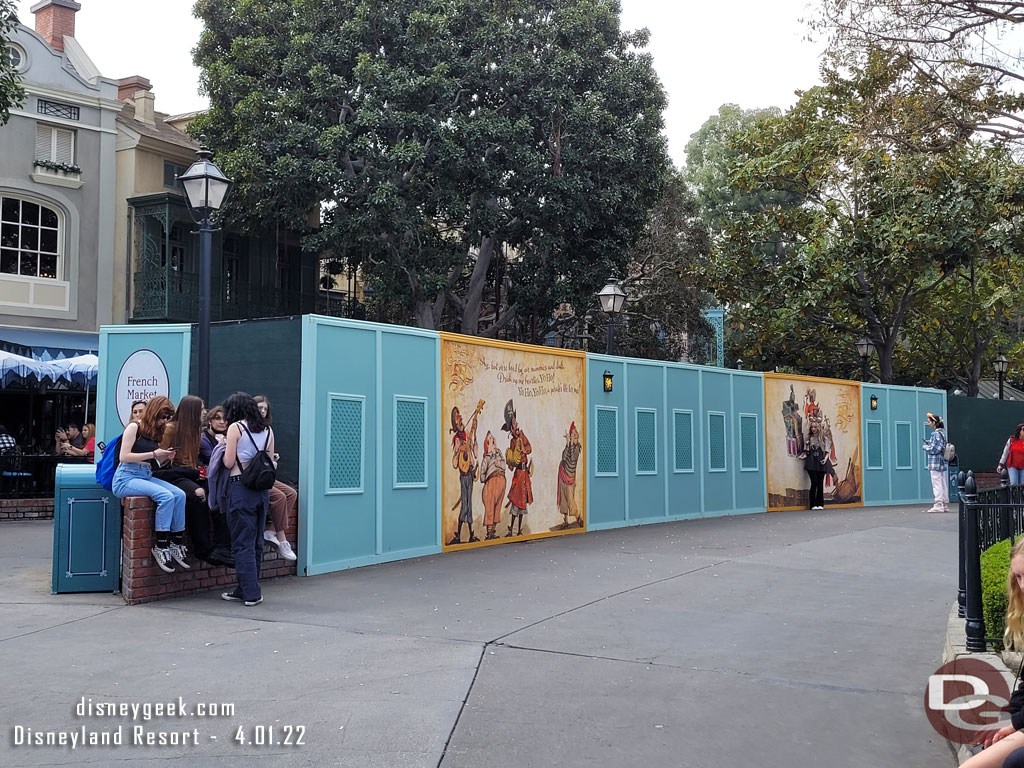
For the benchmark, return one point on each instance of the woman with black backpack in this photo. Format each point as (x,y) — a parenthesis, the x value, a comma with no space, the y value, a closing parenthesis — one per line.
(247,455)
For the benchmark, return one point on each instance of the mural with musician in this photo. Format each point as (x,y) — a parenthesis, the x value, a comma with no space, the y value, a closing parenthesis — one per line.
(812,438)
(513,442)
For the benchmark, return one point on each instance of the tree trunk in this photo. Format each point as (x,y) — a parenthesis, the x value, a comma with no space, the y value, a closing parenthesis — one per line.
(428,313)
(477,283)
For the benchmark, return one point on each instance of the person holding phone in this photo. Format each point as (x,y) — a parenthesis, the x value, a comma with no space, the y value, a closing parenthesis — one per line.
(935,446)
(140,454)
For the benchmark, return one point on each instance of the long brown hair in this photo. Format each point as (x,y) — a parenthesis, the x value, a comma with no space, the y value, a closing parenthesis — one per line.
(1013,637)
(155,409)
(188,424)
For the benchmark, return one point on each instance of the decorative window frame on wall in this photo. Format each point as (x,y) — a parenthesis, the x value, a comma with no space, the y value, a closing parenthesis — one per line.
(636,440)
(361,399)
(422,401)
(757,449)
(881,444)
(675,442)
(614,410)
(896,444)
(725,442)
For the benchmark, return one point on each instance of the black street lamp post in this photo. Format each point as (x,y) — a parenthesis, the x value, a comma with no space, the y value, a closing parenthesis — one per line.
(205,188)
(1001,364)
(612,297)
(864,349)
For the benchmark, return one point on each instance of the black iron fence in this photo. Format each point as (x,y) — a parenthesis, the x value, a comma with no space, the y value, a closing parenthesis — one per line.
(987,516)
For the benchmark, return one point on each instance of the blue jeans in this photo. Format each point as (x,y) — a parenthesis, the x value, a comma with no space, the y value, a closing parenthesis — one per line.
(1016,475)
(247,517)
(137,480)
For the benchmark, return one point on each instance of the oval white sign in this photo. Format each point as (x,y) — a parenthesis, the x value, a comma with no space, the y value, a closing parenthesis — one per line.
(142,377)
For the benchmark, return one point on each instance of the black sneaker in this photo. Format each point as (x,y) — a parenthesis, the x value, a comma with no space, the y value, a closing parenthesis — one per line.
(257,601)
(232,596)
(162,557)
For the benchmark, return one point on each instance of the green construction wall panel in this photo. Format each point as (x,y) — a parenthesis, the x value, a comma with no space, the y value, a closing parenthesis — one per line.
(382,520)
(261,357)
(671,487)
(979,429)
(889,484)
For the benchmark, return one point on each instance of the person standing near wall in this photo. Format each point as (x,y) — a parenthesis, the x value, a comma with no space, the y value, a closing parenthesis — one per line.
(1013,456)
(248,434)
(815,458)
(935,447)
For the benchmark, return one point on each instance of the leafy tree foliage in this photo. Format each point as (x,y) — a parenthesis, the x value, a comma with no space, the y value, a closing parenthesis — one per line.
(448,144)
(12,94)
(964,48)
(884,221)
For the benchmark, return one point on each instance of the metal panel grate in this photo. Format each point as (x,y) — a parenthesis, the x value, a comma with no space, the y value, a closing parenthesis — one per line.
(874,445)
(683,425)
(646,442)
(607,441)
(716,442)
(410,442)
(56,109)
(345,439)
(749,459)
(903,445)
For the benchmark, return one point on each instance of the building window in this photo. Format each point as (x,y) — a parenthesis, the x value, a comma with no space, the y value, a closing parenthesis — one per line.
(55,109)
(30,239)
(55,145)
(17,58)
(170,171)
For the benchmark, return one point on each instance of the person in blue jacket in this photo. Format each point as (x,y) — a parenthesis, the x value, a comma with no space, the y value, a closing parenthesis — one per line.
(935,447)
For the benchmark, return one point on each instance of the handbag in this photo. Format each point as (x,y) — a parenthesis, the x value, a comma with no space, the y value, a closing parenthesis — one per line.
(259,474)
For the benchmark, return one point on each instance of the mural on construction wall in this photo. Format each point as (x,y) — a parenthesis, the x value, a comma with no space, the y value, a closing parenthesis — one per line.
(801,412)
(513,442)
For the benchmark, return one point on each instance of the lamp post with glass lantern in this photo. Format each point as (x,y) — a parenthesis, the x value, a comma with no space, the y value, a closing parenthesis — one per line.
(205,189)
(864,349)
(612,297)
(1001,364)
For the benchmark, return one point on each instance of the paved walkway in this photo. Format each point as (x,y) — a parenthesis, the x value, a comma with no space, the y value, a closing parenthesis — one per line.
(790,639)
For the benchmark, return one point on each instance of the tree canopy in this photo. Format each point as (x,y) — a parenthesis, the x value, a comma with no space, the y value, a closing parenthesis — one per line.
(884,220)
(444,142)
(12,94)
(968,50)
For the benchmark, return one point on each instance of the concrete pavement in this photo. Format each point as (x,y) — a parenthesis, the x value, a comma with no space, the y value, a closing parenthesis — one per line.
(789,639)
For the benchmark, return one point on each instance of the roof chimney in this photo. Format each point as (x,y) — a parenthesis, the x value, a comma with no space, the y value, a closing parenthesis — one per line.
(127,87)
(55,20)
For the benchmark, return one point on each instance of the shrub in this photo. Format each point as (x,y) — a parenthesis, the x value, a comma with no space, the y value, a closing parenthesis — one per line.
(995,563)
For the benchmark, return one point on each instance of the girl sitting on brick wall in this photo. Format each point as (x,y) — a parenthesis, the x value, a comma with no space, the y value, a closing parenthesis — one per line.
(140,455)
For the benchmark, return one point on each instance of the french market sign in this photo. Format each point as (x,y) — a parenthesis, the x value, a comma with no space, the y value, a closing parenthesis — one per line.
(142,377)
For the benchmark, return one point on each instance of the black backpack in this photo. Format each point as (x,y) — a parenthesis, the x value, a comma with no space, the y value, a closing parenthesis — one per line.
(259,474)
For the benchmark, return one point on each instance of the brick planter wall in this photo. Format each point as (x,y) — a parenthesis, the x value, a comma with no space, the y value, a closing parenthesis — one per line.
(142,581)
(26,509)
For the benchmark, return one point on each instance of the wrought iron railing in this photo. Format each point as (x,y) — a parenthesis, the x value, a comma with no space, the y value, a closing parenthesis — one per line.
(171,295)
(986,517)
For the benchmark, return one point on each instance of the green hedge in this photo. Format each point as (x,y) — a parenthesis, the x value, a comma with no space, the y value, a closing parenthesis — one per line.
(995,563)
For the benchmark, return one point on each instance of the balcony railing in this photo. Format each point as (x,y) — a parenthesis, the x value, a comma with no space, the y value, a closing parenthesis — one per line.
(174,296)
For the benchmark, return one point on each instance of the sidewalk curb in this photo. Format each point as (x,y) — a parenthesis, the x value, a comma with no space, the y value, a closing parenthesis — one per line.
(955,647)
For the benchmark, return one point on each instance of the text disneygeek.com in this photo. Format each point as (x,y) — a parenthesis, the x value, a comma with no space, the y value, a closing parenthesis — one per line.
(150,735)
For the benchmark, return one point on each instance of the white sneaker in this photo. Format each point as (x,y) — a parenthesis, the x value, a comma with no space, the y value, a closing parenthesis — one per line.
(180,554)
(269,535)
(286,551)
(162,557)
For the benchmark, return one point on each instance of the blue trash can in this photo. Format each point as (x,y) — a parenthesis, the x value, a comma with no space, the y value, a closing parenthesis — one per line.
(86,532)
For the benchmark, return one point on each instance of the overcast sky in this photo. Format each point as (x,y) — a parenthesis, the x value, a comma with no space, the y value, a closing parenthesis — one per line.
(748,52)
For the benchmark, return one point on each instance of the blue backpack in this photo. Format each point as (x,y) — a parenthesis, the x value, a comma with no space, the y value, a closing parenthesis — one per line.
(108,463)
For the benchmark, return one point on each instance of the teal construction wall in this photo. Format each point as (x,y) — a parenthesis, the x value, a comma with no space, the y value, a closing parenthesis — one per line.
(708,460)
(895,466)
